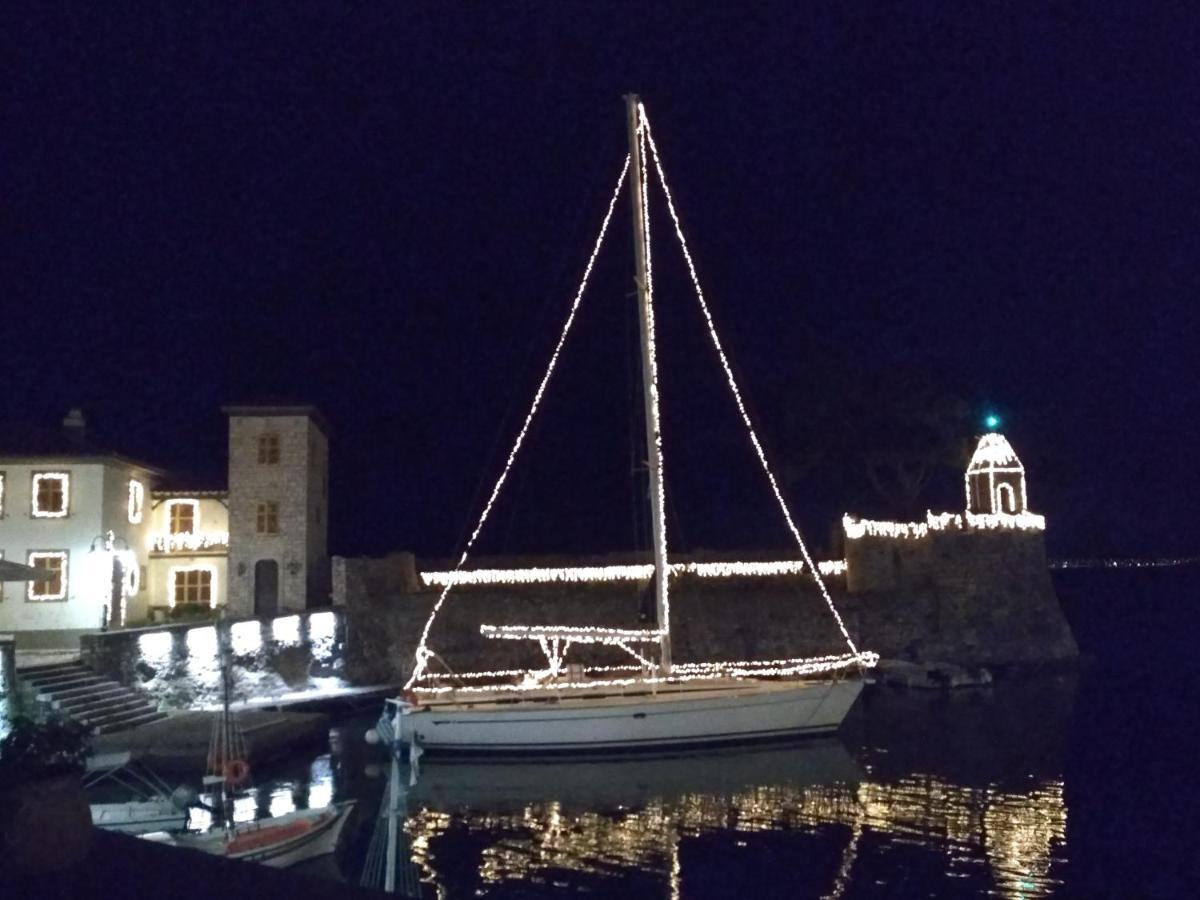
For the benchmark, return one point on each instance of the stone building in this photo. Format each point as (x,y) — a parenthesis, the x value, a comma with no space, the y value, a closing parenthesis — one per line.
(278,509)
(77,511)
(102,526)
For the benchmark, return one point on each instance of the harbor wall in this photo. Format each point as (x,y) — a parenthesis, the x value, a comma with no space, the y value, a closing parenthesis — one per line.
(975,597)
(968,598)
(971,598)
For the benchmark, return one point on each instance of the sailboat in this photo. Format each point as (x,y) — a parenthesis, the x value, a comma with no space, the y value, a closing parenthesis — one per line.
(278,841)
(652,702)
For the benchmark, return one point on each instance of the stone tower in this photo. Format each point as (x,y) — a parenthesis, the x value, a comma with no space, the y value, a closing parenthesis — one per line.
(278,509)
(995,478)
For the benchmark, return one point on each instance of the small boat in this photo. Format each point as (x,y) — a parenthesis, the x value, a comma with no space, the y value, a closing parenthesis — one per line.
(154,807)
(652,701)
(278,841)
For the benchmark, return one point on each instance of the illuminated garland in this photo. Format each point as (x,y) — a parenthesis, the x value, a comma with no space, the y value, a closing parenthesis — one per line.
(659,508)
(62,577)
(616,573)
(137,496)
(737,394)
(579,634)
(165,542)
(204,567)
(680,674)
(423,652)
(98,580)
(65,478)
(860,528)
(994,455)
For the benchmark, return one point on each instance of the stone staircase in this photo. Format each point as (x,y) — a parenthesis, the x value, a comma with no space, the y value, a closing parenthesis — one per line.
(100,704)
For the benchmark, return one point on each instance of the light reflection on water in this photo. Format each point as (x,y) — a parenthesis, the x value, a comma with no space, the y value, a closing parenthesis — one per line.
(1016,835)
(918,796)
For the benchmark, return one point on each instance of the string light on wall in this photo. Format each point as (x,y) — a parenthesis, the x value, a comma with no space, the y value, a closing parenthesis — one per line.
(137,496)
(188,584)
(860,528)
(103,565)
(165,542)
(35,590)
(50,500)
(617,573)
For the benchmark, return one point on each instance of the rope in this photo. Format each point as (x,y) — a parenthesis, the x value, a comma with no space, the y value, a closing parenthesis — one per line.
(422,654)
(737,394)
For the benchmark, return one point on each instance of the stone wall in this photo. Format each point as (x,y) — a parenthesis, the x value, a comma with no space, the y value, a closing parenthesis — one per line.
(976,597)
(722,619)
(970,598)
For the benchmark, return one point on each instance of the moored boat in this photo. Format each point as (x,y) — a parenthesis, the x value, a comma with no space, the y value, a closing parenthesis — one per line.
(652,701)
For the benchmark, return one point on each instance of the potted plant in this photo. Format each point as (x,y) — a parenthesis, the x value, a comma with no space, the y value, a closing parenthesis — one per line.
(45,820)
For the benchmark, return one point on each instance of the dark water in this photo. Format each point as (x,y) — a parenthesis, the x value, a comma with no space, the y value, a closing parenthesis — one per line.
(1049,786)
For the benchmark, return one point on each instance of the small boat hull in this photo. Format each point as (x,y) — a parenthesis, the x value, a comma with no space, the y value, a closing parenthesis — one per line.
(279,842)
(730,713)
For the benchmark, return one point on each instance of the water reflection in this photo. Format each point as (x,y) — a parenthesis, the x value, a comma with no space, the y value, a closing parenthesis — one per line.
(1016,835)
(939,806)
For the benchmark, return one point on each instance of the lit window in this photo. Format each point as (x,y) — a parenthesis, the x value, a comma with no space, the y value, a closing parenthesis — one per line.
(192,586)
(137,496)
(51,494)
(268,518)
(55,587)
(182,516)
(268,449)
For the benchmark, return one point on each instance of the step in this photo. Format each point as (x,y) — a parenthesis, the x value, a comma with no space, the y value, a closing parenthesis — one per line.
(93,690)
(116,704)
(99,720)
(91,701)
(42,668)
(56,672)
(130,723)
(64,682)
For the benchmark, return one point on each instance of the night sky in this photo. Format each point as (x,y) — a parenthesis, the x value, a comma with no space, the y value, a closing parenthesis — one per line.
(384,211)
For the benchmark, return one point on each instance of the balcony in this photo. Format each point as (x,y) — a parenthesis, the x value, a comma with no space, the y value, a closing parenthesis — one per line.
(189,542)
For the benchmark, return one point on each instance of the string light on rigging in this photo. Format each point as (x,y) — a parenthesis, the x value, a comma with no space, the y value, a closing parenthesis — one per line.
(423,653)
(737,394)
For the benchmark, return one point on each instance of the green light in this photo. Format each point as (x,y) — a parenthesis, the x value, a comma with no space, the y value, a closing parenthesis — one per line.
(992,421)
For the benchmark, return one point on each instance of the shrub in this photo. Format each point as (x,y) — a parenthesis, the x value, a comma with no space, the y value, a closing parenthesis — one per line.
(33,749)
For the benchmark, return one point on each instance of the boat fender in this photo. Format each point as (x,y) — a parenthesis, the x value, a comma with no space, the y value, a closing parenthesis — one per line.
(236,771)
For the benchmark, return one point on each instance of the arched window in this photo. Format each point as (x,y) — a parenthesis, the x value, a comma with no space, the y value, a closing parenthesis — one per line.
(1006,499)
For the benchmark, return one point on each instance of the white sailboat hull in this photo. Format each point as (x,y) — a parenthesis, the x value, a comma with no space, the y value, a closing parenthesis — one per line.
(721,713)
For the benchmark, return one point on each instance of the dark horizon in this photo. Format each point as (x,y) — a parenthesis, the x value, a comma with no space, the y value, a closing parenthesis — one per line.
(384,213)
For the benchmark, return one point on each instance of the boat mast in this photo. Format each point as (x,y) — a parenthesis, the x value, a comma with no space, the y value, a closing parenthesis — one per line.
(649,378)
